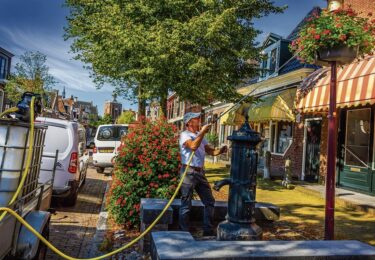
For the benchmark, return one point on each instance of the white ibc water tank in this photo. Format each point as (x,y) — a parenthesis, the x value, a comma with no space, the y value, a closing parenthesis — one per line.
(13,151)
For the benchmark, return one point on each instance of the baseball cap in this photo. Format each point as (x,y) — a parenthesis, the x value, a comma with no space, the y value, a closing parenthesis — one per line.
(190,115)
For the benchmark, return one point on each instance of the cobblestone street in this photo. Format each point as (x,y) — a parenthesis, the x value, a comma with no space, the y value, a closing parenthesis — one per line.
(72,228)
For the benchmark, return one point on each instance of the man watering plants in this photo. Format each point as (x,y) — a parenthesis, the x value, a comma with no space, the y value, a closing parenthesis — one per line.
(193,140)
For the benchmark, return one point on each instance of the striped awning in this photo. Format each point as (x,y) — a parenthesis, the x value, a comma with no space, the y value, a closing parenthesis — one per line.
(355,86)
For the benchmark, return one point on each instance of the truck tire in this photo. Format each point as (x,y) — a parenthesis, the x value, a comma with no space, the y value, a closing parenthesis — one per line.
(42,248)
(99,169)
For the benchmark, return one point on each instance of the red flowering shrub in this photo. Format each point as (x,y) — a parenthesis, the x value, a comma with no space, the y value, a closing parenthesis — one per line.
(342,27)
(146,167)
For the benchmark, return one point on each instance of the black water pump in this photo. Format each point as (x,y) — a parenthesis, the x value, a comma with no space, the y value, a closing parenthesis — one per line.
(240,221)
(24,105)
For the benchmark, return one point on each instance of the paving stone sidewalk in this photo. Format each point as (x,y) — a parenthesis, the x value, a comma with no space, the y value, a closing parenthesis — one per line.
(72,228)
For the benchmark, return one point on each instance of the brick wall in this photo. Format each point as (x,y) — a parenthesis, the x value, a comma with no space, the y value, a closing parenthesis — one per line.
(361,6)
(295,152)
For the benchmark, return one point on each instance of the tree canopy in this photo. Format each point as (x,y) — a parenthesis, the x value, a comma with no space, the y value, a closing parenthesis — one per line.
(126,117)
(105,120)
(199,49)
(31,74)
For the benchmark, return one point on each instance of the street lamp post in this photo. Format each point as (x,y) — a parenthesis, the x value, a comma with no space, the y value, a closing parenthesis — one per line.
(331,159)
(329,226)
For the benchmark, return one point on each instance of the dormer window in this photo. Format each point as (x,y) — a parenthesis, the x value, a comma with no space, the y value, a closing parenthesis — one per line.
(270,63)
(276,52)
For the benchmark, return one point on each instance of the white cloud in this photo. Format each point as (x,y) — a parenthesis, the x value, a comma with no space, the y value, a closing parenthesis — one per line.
(63,67)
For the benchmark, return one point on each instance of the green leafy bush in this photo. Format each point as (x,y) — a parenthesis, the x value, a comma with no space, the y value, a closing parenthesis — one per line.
(213,139)
(146,167)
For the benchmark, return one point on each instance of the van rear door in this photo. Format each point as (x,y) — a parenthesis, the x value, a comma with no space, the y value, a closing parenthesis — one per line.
(57,138)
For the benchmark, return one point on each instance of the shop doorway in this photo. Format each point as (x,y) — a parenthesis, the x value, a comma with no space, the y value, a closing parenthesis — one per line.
(357,167)
(312,150)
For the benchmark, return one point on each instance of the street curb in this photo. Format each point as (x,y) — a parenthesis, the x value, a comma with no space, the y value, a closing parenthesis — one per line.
(101,228)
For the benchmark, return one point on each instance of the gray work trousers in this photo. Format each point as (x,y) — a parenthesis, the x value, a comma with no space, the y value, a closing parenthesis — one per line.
(196,180)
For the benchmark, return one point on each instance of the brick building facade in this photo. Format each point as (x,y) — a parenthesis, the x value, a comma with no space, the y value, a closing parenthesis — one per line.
(355,124)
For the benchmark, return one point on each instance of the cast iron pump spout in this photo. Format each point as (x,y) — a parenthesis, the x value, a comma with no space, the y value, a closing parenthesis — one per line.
(240,222)
(219,184)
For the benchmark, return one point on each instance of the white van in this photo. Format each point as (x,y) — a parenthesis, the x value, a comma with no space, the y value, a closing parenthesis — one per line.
(69,139)
(107,140)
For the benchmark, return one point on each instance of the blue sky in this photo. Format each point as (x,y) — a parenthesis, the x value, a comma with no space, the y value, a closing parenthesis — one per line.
(37,25)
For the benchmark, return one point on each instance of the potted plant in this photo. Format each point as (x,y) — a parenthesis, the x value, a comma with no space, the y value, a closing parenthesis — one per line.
(340,35)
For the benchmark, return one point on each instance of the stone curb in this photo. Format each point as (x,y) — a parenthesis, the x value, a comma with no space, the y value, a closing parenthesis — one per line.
(101,229)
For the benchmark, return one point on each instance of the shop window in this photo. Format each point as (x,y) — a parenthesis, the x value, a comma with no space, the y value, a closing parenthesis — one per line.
(357,142)
(282,137)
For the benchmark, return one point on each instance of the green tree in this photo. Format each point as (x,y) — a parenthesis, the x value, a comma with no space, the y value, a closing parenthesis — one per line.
(31,74)
(200,49)
(126,117)
(105,120)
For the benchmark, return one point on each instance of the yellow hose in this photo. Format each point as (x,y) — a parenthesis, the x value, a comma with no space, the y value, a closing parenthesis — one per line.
(58,252)
(8,111)
(28,159)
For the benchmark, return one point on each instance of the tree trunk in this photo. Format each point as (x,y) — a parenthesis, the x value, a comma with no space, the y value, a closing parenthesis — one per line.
(141,103)
(163,102)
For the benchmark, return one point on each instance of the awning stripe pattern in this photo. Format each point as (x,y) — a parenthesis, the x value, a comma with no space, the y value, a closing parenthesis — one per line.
(355,86)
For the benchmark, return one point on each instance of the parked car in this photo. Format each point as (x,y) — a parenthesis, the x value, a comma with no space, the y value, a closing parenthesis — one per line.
(107,141)
(69,139)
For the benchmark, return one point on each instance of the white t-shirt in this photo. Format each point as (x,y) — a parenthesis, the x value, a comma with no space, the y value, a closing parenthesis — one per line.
(200,153)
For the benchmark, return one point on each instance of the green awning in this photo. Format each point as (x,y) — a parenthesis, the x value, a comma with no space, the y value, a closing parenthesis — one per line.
(276,107)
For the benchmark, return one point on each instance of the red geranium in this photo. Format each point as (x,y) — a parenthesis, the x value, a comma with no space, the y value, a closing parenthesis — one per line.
(146,167)
(341,27)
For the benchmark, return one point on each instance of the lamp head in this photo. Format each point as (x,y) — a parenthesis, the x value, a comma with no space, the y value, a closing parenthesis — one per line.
(335,4)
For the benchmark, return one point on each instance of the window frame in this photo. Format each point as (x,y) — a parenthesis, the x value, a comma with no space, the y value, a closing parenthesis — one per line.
(346,136)
(275,137)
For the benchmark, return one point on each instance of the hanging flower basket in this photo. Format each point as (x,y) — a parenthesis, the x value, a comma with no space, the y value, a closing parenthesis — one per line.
(339,36)
(341,54)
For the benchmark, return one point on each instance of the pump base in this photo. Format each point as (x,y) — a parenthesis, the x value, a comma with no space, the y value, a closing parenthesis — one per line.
(229,231)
